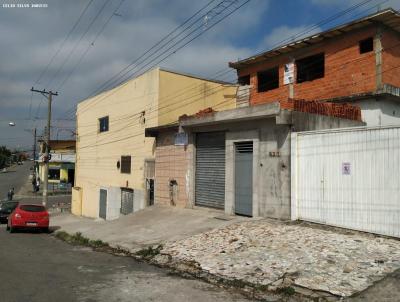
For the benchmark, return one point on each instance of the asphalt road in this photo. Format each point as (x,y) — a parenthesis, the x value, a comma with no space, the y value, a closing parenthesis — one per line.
(39,267)
(15,177)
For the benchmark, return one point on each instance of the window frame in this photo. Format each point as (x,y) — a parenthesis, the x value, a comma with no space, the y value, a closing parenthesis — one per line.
(124,166)
(271,85)
(104,118)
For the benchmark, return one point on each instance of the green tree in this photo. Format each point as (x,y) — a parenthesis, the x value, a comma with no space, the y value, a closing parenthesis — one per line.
(4,156)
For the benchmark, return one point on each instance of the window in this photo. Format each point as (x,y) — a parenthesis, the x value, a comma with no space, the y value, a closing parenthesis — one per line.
(268,79)
(126,164)
(310,68)
(54,174)
(244,80)
(366,45)
(32,208)
(103,124)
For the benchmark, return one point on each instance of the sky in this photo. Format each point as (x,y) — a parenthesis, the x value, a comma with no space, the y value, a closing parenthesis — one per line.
(38,51)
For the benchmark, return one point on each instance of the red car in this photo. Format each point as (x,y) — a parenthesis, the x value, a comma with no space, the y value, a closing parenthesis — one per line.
(28,216)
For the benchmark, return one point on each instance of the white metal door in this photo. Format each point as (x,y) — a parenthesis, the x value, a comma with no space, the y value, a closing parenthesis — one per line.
(348,178)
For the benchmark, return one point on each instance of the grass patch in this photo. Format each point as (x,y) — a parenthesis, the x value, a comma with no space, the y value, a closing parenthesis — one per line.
(287,290)
(78,239)
(149,252)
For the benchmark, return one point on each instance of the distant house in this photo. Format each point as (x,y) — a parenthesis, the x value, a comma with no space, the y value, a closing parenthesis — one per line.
(358,62)
(61,163)
(115,161)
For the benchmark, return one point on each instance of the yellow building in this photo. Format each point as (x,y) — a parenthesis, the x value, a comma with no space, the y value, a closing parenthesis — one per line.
(115,161)
(61,163)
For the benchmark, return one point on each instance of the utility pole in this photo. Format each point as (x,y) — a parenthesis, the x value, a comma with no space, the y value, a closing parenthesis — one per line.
(49,95)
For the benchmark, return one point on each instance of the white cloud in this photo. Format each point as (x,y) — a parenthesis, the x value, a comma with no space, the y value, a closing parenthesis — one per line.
(31,37)
(285,34)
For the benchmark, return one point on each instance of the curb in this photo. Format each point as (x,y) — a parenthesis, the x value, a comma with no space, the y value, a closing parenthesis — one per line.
(153,255)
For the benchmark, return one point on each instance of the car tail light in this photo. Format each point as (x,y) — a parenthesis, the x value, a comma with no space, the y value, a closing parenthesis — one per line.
(17,215)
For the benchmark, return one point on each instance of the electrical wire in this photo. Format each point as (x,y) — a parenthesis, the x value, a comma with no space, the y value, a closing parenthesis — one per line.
(77,44)
(330,19)
(63,43)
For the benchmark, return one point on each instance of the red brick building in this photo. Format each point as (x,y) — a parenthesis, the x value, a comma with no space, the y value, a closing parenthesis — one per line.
(357,62)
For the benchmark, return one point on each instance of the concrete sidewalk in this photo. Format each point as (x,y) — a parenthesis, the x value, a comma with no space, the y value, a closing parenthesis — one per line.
(151,226)
(262,256)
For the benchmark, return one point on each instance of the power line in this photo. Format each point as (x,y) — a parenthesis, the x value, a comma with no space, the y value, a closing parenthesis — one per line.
(77,44)
(218,12)
(279,92)
(153,47)
(211,13)
(63,43)
(321,22)
(89,46)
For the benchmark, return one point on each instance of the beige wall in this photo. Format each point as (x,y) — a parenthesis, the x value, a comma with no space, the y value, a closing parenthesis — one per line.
(181,94)
(98,153)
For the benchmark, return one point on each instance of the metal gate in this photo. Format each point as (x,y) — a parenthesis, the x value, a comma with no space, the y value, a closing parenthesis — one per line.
(210,170)
(348,178)
(103,204)
(244,178)
(126,201)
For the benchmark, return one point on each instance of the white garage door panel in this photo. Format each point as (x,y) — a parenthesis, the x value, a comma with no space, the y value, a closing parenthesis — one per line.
(348,178)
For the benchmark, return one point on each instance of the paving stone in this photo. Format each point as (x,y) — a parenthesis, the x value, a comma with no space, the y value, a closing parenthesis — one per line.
(263,252)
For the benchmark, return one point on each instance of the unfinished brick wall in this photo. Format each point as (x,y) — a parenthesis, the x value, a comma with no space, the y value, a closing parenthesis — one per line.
(391,58)
(347,71)
(170,165)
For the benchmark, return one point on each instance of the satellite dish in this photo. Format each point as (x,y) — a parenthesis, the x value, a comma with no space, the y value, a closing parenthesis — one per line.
(11,124)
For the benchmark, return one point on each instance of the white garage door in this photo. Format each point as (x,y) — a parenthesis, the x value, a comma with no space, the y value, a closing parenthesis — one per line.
(348,178)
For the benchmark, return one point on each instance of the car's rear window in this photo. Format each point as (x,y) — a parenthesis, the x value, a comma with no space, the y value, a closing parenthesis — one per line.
(30,208)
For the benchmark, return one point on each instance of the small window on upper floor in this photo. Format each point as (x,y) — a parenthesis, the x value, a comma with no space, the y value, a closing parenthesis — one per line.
(103,124)
(244,80)
(126,164)
(366,45)
(310,68)
(268,79)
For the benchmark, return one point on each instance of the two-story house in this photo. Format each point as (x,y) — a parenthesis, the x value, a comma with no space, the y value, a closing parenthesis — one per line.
(358,62)
(115,161)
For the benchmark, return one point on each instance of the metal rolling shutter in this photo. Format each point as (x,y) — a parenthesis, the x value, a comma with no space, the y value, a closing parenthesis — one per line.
(210,169)
(126,201)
